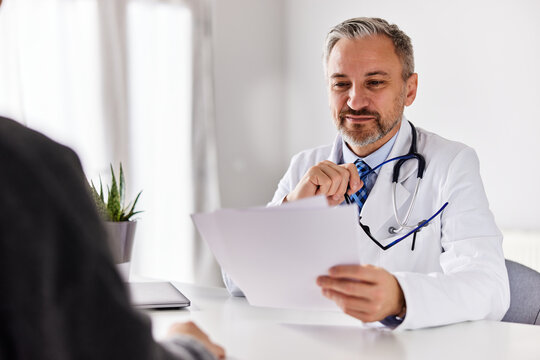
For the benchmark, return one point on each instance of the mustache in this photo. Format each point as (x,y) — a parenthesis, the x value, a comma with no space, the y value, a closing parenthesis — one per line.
(361,112)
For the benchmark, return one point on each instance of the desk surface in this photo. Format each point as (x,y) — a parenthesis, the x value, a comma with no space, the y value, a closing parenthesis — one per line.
(255,333)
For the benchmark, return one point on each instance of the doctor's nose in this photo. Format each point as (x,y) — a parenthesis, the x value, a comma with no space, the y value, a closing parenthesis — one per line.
(357,99)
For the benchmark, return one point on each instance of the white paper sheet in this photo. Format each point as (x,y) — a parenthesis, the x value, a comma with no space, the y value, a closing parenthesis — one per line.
(275,254)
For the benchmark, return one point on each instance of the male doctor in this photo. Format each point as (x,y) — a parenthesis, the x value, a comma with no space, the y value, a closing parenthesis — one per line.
(450,270)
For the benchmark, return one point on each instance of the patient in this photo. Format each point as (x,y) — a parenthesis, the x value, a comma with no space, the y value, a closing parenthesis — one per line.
(61,297)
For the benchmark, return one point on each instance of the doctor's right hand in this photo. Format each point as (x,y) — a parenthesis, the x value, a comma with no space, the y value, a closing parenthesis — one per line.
(330,179)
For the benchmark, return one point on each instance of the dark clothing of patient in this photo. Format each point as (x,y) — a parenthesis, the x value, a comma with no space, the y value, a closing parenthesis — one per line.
(61,297)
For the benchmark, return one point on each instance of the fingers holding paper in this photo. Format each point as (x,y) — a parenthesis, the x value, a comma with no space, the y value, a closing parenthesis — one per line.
(330,179)
(365,292)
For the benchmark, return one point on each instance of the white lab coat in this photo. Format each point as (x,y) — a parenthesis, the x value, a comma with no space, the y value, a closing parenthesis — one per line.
(457,271)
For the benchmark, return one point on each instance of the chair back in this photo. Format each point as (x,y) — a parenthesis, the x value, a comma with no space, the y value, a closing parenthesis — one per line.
(524,294)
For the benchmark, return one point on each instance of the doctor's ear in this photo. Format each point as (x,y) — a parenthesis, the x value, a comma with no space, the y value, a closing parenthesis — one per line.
(412,85)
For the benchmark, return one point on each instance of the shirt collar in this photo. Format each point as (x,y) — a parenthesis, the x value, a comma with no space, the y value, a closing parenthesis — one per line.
(373,159)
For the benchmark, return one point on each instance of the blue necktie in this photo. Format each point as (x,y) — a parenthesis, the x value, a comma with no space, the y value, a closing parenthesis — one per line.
(361,195)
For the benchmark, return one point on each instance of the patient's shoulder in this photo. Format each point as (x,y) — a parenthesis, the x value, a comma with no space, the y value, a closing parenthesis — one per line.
(21,146)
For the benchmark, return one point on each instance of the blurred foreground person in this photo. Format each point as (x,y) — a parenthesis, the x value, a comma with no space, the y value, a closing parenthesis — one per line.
(61,296)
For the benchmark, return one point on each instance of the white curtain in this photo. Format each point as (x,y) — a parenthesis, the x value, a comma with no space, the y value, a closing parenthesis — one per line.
(129,81)
(49,55)
(204,159)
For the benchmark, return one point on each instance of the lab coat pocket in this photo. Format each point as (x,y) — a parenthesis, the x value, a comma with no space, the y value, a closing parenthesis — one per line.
(418,253)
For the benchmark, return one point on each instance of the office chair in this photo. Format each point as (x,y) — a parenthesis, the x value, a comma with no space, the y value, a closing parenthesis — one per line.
(524,294)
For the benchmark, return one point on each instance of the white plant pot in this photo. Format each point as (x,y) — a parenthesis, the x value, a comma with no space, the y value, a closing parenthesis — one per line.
(121,237)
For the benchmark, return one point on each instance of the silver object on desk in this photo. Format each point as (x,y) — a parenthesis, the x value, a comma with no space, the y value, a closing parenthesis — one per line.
(156,295)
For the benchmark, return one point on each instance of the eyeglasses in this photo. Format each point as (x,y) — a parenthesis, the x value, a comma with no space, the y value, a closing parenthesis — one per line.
(413,232)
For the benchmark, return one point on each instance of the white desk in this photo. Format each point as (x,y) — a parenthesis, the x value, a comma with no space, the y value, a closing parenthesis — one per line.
(254,333)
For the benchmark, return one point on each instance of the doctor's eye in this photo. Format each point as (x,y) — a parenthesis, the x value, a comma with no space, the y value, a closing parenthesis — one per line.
(375,83)
(340,85)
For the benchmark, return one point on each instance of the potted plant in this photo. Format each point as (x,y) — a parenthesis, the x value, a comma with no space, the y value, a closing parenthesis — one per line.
(118,218)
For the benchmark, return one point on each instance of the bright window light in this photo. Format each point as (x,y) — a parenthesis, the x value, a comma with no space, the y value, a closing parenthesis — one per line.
(160,83)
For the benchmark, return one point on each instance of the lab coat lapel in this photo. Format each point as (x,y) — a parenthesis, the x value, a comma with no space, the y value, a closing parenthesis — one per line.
(378,209)
(336,155)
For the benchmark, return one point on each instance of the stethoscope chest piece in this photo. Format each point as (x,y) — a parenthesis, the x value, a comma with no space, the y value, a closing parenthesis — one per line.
(392,230)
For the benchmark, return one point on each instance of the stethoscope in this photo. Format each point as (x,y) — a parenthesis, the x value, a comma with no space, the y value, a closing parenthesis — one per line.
(402,223)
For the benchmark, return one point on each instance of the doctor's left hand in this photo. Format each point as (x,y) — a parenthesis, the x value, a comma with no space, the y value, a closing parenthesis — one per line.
(366,292)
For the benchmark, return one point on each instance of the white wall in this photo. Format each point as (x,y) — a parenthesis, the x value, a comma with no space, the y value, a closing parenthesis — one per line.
(479,84)
(248,52)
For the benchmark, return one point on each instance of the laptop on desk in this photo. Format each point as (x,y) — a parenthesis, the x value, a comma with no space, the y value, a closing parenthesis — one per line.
(156,295)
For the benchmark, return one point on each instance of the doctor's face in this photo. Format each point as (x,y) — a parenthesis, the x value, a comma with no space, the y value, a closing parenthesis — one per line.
(367,92)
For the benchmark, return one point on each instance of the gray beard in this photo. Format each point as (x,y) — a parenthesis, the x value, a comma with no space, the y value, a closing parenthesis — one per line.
(351,140)
(371,138)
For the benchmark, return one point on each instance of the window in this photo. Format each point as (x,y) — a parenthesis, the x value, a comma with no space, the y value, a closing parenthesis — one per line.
(113,80)
(160,82)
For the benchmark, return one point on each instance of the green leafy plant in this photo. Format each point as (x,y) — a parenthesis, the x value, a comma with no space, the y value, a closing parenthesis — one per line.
(113,208)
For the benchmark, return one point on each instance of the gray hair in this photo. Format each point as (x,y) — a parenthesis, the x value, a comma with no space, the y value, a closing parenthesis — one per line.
(360,27)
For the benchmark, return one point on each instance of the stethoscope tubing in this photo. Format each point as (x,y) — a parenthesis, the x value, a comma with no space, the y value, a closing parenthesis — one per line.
(403,224)
(412,154)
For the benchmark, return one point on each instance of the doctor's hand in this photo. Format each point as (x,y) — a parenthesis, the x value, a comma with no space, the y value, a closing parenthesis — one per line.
(330,179)
(366,292)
